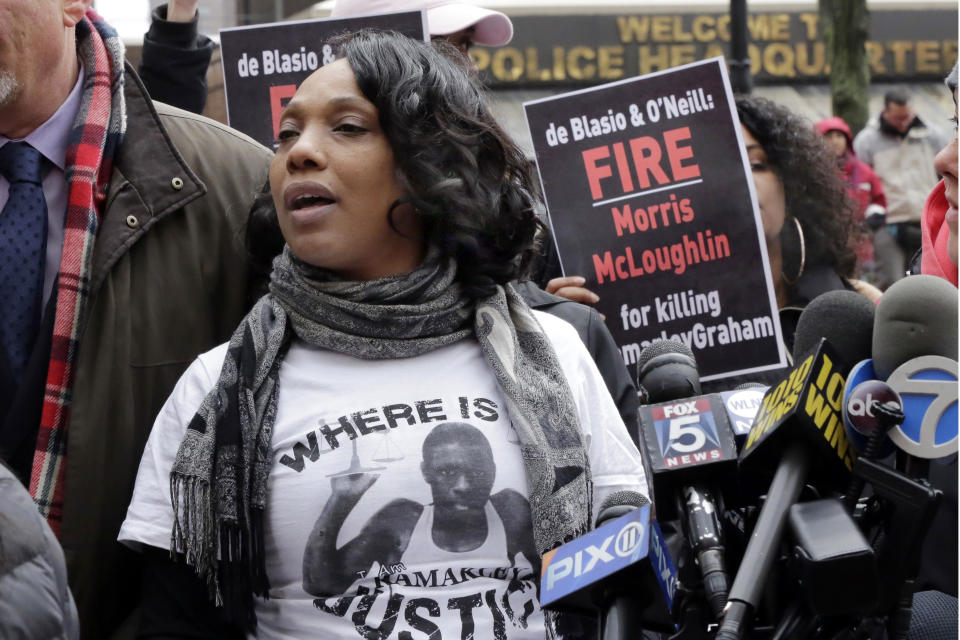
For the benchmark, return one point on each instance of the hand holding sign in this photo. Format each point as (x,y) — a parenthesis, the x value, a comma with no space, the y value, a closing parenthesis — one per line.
(571,288)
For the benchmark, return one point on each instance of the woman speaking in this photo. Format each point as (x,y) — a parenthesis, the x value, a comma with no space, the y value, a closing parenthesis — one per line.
(392,438)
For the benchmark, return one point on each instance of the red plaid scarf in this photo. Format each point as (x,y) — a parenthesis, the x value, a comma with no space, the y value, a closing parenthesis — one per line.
(94,140)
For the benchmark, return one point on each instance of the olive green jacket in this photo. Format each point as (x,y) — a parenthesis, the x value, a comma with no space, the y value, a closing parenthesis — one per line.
(169,281)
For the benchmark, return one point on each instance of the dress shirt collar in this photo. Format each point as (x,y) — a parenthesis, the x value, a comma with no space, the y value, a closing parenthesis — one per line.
(51,138)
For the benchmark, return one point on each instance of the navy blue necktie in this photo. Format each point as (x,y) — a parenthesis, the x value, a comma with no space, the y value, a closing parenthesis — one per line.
(23,242)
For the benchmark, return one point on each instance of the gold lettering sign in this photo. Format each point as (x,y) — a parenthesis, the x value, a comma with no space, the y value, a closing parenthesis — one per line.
(784,46)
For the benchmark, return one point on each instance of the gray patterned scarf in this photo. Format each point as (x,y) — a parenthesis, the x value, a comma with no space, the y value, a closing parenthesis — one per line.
(219,479)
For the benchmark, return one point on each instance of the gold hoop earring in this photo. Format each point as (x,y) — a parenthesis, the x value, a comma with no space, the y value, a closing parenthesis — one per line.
(803,255)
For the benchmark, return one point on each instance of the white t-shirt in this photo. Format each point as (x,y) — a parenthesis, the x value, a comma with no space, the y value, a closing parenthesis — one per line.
(424,537)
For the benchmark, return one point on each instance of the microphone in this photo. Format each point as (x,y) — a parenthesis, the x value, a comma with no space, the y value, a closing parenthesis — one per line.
(860,420)
(916,316)
(915,351)
(870,409)
(914,347)
(908,391)
(621,569)
(846,318)
(691,448)
(801,418)
(667,370)
(742,404)
(832,559)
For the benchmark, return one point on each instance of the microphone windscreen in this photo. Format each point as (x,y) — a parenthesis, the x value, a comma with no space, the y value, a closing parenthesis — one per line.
(660,348)
(627,498)
(667,370)
(933,615)
(619,503)
(844,318)
(916,316)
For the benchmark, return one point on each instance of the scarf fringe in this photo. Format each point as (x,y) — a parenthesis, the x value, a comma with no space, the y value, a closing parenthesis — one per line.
(234,571)
(192,528)
(233,574)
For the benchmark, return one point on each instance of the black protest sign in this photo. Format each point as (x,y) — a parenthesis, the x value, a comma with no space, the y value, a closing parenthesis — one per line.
(651,200)
(264,64)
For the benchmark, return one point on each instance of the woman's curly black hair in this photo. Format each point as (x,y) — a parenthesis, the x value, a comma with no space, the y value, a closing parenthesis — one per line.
(814,192)
(464,176)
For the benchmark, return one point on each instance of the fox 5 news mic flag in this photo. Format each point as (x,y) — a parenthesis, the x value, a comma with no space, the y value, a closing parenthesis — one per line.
(688,441)
(264,64)
(651,199)
(693,454)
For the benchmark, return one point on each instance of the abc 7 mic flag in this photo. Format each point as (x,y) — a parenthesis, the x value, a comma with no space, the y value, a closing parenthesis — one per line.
(928,387)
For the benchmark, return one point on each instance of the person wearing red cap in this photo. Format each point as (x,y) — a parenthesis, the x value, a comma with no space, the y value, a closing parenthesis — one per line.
(865,187)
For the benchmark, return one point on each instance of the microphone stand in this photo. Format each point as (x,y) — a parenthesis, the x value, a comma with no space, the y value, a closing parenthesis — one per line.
(913,504)
(751,577)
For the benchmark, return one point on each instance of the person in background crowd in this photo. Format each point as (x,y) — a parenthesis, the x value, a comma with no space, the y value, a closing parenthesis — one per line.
(900,148)
(175,57)
(120,262)
(866,189)
(35,601)
(390,313)
(805,208)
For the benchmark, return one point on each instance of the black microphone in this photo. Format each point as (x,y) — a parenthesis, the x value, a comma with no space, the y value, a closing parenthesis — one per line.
(619,616)
(801,418)
(667,370)
(621,570)
(845,318)
(691,450)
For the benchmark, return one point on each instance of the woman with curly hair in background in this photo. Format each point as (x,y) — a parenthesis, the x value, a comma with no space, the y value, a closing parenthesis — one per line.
(805,208)
(392,438)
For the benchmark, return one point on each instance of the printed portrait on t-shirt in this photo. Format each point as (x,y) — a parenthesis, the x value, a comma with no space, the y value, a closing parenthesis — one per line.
(463,517)
(423,528)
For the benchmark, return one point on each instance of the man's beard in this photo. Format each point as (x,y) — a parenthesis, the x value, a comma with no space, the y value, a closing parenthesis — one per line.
(9,87)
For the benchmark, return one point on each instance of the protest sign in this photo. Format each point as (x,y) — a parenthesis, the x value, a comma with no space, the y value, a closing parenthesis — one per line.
(264,64)
(651,199)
